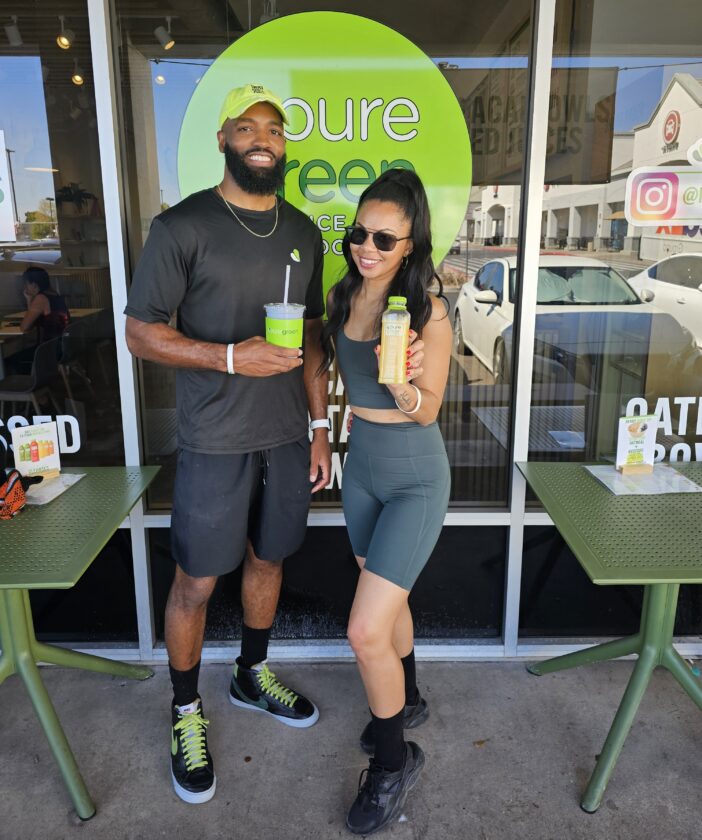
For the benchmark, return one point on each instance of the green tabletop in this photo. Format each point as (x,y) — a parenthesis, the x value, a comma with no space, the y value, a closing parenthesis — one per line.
(50,546)
(623,539)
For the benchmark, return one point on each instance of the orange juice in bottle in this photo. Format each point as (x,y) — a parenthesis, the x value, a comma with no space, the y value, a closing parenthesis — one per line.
(394,341)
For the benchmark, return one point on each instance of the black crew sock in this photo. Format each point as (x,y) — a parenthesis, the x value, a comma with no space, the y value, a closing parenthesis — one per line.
(184,684)
(389,742)
(254,645)
(411,691)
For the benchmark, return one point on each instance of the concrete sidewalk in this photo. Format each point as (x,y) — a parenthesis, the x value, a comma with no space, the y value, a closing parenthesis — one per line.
(508,756)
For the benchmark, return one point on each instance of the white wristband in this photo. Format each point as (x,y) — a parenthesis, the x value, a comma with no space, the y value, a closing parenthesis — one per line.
(230,359)
(320,424)
(419,401)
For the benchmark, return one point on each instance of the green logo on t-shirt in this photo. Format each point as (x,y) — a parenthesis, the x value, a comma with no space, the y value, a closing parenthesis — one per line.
(361,98)
(295,255)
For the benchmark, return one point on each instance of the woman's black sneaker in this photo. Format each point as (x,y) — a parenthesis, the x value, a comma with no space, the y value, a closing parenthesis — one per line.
(413,716)
(259,689)
(192,770)
(381,795)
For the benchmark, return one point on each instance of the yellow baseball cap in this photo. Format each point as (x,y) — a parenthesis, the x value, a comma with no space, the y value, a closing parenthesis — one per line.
(241,99)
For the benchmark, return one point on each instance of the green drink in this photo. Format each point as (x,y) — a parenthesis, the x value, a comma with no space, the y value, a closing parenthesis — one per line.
(284,324)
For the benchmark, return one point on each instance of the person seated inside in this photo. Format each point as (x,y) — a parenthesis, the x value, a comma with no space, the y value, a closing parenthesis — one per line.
(46,309)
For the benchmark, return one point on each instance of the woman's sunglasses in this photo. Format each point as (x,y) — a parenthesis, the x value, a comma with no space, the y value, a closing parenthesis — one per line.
(383,241)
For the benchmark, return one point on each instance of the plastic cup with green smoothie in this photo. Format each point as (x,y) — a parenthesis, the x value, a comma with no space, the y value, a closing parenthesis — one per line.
(284,324)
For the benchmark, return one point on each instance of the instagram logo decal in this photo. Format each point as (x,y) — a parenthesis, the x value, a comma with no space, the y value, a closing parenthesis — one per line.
(654,196)
(666,193)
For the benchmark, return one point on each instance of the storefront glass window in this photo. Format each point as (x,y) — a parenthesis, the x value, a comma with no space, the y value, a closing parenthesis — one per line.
(52,221)
(619,306)
(483,54)
(60,366)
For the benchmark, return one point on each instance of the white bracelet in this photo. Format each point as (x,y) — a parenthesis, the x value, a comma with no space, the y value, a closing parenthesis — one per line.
(419,401)
(230,359)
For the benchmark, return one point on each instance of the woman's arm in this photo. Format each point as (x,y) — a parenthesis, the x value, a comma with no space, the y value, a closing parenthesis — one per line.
(430,360)
(35,309)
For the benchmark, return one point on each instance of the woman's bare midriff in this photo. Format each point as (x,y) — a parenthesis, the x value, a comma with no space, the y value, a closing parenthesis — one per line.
(380,415)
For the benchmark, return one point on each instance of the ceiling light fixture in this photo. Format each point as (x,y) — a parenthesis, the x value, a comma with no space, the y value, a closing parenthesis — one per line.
(13,34)
(163,35)
(160,80)
(77,78)
(66,37)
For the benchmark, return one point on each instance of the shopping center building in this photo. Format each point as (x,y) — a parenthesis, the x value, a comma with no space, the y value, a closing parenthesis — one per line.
(561,99)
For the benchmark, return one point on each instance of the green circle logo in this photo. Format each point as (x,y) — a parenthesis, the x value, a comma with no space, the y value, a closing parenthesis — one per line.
(361,99)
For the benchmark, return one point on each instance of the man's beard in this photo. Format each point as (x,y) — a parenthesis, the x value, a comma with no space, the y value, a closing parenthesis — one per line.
(257,181)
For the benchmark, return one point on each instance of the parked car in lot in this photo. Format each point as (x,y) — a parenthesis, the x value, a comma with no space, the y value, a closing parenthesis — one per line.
(456,247)
(677,285)
(586,315)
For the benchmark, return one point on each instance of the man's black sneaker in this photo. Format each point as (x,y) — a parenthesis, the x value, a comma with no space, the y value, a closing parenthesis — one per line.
(381,795)
(191,763)
(413,716)
(258,688)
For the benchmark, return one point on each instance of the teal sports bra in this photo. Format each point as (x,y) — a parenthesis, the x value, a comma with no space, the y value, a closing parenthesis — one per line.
(359,366)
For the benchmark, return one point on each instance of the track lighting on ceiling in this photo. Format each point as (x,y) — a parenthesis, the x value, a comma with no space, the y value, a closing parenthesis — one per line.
(77,78)
(14,36)
(163,35)
(66,37)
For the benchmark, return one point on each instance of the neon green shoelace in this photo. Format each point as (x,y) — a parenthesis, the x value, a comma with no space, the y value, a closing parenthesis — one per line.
(270,685)
(191,728)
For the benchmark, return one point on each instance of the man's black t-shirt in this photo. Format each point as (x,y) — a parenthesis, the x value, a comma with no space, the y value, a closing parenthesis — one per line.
(200,261)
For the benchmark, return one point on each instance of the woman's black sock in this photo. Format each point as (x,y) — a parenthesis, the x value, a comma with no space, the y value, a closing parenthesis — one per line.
(184,684)
(411,692)
(389,741)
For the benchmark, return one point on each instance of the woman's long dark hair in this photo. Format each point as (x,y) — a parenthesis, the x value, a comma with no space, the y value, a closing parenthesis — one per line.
(403,188)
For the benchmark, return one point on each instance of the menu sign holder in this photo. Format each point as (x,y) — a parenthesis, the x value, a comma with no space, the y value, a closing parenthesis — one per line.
(36,450)
(636,443)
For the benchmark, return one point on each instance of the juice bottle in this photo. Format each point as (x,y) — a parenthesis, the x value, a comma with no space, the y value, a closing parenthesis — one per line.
(34,451)
(394,340)
(23,453)
(51,447)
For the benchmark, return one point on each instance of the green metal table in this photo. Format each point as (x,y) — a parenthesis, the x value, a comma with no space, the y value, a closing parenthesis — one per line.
(50,547)
(655,541)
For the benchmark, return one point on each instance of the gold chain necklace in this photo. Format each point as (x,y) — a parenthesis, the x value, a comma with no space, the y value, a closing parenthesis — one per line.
(252,232)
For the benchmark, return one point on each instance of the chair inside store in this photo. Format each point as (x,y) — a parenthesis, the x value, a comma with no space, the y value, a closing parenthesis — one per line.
(73,356)
(30,389)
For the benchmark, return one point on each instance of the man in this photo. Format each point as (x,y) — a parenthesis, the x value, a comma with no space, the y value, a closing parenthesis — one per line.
(245,465)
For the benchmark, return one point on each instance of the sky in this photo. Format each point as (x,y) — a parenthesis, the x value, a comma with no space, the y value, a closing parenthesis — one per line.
(23,109)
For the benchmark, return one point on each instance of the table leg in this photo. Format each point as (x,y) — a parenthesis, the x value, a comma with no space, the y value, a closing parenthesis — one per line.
(679,669)
(619,730)
(74,659)
(7,662)
(656,633)
(587,656)
(21,639)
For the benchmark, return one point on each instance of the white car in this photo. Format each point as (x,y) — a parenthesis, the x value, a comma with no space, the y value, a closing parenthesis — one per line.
(586,317)
(676,283)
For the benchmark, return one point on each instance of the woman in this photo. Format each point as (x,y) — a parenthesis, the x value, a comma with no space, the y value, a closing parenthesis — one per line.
(46,309)
(396,479)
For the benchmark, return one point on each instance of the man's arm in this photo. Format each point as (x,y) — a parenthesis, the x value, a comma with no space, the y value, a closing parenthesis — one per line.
(167,346)
(317,388)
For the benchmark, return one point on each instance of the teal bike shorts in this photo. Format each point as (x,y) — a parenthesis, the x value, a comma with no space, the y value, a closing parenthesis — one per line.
(395,492)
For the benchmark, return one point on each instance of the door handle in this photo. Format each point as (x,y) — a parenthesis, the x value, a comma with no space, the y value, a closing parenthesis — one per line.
(681,300)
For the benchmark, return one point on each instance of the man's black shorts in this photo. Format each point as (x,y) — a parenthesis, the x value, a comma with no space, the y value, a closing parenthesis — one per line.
(220,500)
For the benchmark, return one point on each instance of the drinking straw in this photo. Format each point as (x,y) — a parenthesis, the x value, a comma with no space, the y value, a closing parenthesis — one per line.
(287,284)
